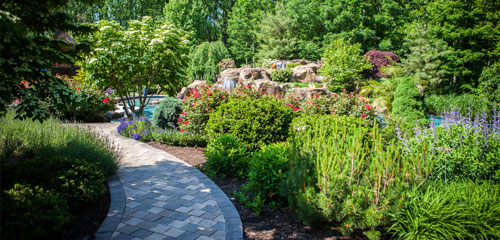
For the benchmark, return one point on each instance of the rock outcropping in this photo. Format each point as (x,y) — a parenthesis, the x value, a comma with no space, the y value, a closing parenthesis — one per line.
(306,73)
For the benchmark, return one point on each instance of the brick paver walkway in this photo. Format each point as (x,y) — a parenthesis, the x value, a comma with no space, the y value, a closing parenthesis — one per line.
(158,196)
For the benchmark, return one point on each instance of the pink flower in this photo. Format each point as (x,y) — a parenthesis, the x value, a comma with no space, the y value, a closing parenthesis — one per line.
(78,89)
(17,100)
(196,94)
(191,91)
(183,101)
(182,129)
(367,106)
(184,114)
(184,98)
(317,96)
(179,120)
(186,122)
(362,100)
(332,112)
(106,100)
(294,99)
(363,115)
(350,95)
(295,109)
(264,92)
(302,95)
(313,103)
(223,97)
(374,107)
(209,93)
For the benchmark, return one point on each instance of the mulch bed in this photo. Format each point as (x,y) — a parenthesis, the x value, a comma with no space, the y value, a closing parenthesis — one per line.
(88,220)
(277,224)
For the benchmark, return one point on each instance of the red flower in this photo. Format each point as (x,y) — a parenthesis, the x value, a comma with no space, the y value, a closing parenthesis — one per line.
(362,100)
(191,91)
(184,98)
(294,99)
(179,120)
(184,114)
(289,104)
(223,97)
(209,93)
(186,122)
(264,92)
(295,109)
(317,96)
(182,130)
(313,103)
(374,107)
(196,95)
(78,89)
(332,112)
(350,95)
(248,85)
(302,95)
(106,100)
(183,101)
(367,106)
(363,115)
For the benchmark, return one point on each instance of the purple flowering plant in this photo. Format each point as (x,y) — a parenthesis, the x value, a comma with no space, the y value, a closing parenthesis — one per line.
(462,147)
(138,129)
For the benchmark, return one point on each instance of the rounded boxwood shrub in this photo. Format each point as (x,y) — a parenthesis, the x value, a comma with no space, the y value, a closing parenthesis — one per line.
(407,103)
(226,156)
(255,122)
(282,75)
(167,113)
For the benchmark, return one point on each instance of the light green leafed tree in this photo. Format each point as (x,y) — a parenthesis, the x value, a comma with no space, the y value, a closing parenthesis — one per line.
(204,61)
(344,65)
(136,60)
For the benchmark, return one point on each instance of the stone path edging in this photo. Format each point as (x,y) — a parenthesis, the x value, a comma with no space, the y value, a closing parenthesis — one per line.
(158,196)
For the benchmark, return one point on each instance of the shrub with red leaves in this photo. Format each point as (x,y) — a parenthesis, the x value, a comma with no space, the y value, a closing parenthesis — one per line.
(379,59)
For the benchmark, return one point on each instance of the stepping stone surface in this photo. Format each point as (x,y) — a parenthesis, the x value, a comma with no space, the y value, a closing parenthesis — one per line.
(158,196)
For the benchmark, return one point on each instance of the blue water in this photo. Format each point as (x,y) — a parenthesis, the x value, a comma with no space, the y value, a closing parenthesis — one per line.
(149,109)
(436,119)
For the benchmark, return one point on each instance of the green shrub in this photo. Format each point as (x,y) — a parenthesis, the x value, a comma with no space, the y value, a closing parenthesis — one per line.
(344,65)
(281,75)
(266,172)
(32,213)
(343,172)
(255,122)
(292,65)
(167,113)
(226,156)
(440,104)
(53,139)
(449,210)
(407,103)
(205,59)
(489,83)
(182,139)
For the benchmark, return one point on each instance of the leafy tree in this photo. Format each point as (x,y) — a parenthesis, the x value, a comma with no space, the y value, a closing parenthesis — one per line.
(243,25)
(204,61)
(192,16)
(112,10)
(471,30)
(28,51)
(344,65)
(407,102)
(138,59)
(425,62)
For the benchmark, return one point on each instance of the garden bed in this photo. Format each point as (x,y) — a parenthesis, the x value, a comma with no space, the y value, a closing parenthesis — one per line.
(277,224)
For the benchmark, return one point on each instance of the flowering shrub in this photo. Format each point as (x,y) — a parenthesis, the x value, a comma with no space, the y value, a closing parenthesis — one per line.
(86,104)
(199,103)
(137,129)
(461,147)
(341,104)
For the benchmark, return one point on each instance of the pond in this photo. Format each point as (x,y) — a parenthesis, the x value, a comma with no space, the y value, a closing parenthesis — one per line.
(148,110)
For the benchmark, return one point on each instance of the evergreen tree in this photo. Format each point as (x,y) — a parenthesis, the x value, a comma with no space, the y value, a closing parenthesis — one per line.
(407,102)
(425,62)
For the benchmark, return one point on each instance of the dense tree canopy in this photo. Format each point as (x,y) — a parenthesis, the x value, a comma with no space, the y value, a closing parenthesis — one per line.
(29,51)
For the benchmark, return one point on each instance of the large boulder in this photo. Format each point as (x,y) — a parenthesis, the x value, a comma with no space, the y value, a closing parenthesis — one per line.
(309,92)
(244,73)
(263,85)
(305,73)
(196,84)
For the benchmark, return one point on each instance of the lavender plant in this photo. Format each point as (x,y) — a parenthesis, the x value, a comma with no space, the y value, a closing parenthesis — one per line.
(463,146)
(138,129)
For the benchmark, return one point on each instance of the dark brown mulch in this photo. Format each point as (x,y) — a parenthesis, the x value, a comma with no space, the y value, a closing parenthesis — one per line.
(88,220)
(270,224)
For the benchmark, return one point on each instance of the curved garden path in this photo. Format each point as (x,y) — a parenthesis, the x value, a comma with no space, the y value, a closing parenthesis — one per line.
(158,196)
